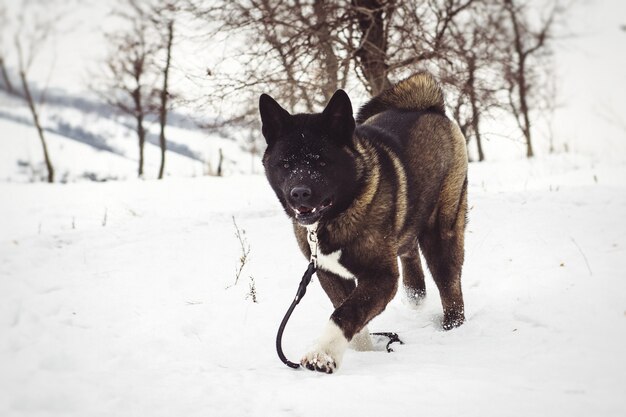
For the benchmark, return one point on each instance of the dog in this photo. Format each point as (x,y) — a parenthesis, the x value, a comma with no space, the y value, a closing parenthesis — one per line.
(362,193)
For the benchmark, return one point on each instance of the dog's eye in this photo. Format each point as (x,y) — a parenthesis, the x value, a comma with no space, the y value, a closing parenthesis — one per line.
(322,163)
(285,165)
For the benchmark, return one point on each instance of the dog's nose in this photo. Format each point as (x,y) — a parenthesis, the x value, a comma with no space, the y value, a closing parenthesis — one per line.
(300,194)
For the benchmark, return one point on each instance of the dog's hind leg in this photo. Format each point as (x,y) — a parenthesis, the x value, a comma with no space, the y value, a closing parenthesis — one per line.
(413,275)
(443,249)
(445,260)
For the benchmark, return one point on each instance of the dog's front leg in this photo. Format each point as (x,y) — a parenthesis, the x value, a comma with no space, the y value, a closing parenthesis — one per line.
(376,287)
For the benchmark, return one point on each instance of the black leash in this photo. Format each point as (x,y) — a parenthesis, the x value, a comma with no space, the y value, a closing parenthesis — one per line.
(306,279)
(393,337)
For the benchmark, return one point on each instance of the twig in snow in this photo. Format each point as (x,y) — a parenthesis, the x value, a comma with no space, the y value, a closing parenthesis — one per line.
(583,254)
(104,220)
(252,293)
(245,250)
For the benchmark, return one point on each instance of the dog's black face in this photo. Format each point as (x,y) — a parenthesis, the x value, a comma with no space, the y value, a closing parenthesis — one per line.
(309,161)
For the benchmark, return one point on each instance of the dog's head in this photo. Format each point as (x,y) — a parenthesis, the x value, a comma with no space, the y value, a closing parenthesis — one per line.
(309,160)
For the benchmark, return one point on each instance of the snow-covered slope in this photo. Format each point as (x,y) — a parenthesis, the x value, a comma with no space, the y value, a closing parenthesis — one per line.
(118,299)
(87,138)
(87,141)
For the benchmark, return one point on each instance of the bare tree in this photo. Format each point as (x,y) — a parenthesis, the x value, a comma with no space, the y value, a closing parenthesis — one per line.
(295,48)
(521,64)
(468,68)
(373,18)
(139,60)
(4,20)
(302,47)
(29,40)
(483,50)
(127,83)
(397,37)
(165,93)
(163,15)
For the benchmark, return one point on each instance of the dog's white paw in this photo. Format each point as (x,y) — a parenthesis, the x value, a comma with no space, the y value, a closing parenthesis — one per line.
(328,351)
(319,361)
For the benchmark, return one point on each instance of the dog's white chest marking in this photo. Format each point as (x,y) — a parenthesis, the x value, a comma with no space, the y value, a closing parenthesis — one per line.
(331,263)
(326,261)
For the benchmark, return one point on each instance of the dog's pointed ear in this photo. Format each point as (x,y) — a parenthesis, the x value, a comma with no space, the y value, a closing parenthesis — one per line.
(338,115)
(273,117)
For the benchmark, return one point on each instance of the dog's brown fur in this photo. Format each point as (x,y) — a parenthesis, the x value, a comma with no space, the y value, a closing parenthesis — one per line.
(410,191)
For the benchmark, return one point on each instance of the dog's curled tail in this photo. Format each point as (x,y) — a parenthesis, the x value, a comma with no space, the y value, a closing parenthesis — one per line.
(419,92)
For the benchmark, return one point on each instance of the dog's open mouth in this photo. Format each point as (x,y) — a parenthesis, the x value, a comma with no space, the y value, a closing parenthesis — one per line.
(308,215)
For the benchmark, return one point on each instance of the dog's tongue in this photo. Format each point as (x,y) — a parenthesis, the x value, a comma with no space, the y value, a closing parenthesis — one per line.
(304,210)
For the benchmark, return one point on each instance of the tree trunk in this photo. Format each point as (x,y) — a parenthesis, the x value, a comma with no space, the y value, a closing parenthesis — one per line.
(141,131)
(329,58)
(219,163)
(141,134)
(471,84)
(524,109)
(164,95)
(5,77)
(33,110)
(477,134)
(520,75)
(523,96)
(373,51)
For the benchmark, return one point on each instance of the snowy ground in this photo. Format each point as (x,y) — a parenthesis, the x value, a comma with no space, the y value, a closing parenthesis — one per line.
(117,299)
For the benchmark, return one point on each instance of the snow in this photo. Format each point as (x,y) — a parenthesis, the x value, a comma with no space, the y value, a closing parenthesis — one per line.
(118,299)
